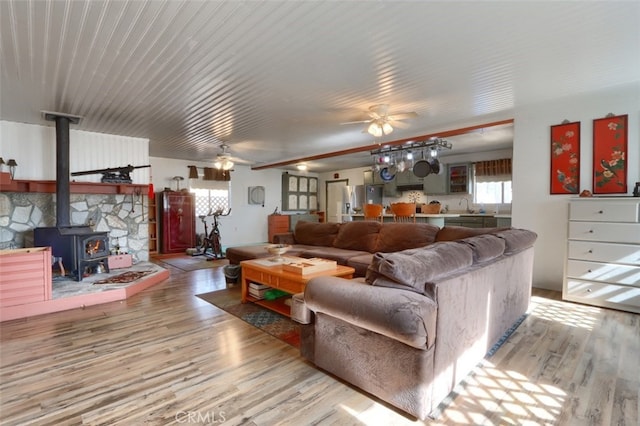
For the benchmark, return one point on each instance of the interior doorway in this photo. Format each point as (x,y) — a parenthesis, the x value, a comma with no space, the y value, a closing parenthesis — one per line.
(335,201)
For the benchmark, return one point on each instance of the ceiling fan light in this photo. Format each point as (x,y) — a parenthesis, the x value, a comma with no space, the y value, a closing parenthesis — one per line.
(386,128)
(227,164)
(302,167)
(375,129)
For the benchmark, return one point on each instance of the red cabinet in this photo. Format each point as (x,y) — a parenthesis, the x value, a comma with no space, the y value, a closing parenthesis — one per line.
(178,230)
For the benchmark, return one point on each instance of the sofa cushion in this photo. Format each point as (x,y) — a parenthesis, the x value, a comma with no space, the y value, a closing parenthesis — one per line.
(359,235)
(341,256)
(401,315)
(517,239)
(452,233)
(485,247)
(316,234)
(360,263)
(412,269)
(235,255)
(401,236)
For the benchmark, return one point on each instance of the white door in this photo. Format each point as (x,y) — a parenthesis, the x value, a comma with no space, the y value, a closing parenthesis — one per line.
(335,200)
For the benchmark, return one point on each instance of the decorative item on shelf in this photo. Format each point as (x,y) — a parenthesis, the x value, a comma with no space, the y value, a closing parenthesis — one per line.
(636,190)
(609,154)
(2,163)
(12,167)
(565,158)
(586,193)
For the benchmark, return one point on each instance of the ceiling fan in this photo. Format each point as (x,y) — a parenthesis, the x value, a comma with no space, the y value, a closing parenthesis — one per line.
(381,120)
(223,159)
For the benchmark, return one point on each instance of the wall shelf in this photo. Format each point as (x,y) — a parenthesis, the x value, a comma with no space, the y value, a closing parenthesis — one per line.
(49,186)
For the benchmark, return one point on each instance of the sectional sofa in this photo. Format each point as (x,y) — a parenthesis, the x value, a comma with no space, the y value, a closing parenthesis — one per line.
(418,319)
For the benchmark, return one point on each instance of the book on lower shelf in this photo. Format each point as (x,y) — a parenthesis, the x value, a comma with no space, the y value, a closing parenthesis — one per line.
(257,291)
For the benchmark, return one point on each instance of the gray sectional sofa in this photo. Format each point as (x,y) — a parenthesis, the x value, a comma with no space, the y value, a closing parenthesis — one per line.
(419,318)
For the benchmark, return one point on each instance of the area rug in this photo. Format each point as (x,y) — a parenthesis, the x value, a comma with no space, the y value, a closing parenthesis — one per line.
(266,320)
(125,277)
(191,263)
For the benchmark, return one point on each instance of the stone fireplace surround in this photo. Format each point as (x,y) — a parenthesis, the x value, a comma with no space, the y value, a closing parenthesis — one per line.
(123,216)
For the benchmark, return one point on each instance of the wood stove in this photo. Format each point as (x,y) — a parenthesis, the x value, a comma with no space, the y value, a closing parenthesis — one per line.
(78,245)
(80,248)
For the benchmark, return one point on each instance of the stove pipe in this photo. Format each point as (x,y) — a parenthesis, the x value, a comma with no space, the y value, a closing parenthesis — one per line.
(63,192)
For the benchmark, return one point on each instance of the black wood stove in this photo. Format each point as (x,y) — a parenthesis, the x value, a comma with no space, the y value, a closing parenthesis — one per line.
(78,245)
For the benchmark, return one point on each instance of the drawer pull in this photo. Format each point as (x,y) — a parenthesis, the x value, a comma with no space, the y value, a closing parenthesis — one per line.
(588,290)
(591,231)
(589,270)
(589,251)
(600,211)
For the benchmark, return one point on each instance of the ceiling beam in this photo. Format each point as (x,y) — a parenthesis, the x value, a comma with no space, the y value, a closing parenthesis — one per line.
(443,134)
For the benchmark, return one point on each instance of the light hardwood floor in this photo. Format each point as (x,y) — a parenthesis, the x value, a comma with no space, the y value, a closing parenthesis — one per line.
(167,357)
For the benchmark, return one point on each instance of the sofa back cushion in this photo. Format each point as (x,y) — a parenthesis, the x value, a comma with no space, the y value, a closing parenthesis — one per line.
(402,236)
(415,268)
(358,235)
(517,239)
(452,233)
(484,247)
(315,234)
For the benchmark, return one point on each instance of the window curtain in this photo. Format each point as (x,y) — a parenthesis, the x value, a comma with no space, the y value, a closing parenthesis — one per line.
(209,184)
(211,173)
(493,170)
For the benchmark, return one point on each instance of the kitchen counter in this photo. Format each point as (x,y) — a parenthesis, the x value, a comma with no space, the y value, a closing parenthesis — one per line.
(434,219)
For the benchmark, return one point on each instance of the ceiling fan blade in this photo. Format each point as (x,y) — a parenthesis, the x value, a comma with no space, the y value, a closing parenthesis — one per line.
(403,116)
(356,122)
(401,124)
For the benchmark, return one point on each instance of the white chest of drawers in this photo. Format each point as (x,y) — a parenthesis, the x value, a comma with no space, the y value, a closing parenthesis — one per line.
(603,253)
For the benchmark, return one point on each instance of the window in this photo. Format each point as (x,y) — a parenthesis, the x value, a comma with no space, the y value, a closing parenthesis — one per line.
(493,192)
(210,196)
(492,182)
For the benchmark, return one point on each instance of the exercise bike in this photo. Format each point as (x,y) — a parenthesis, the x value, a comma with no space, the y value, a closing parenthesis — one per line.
(211,245)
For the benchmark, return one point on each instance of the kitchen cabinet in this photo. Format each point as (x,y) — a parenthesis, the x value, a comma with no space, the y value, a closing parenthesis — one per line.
(368,177)
(178,221)
(472,221)
(435,184)
(602,262)
(408,178)
(459,178)
(390,189)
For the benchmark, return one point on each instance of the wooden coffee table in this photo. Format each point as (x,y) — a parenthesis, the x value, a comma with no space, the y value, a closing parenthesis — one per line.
(263,271)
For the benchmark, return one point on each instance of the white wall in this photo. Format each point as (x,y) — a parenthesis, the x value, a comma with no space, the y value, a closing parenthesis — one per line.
(533,207)
(34,149)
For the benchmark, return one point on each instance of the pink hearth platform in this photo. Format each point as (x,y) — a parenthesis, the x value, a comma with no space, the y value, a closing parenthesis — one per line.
(28,288)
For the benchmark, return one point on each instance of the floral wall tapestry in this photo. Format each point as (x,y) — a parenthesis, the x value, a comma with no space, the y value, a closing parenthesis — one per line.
(609,151)
(565,158)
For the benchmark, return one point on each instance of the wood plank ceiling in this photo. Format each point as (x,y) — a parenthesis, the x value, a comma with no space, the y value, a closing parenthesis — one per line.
(275,79)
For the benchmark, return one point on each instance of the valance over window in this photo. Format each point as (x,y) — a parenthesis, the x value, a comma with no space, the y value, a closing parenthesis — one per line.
(493,167)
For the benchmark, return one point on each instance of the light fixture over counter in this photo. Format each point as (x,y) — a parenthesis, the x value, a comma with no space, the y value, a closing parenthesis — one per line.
(409,149)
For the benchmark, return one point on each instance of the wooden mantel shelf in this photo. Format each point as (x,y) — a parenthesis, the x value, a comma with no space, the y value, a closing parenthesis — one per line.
(49,186)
